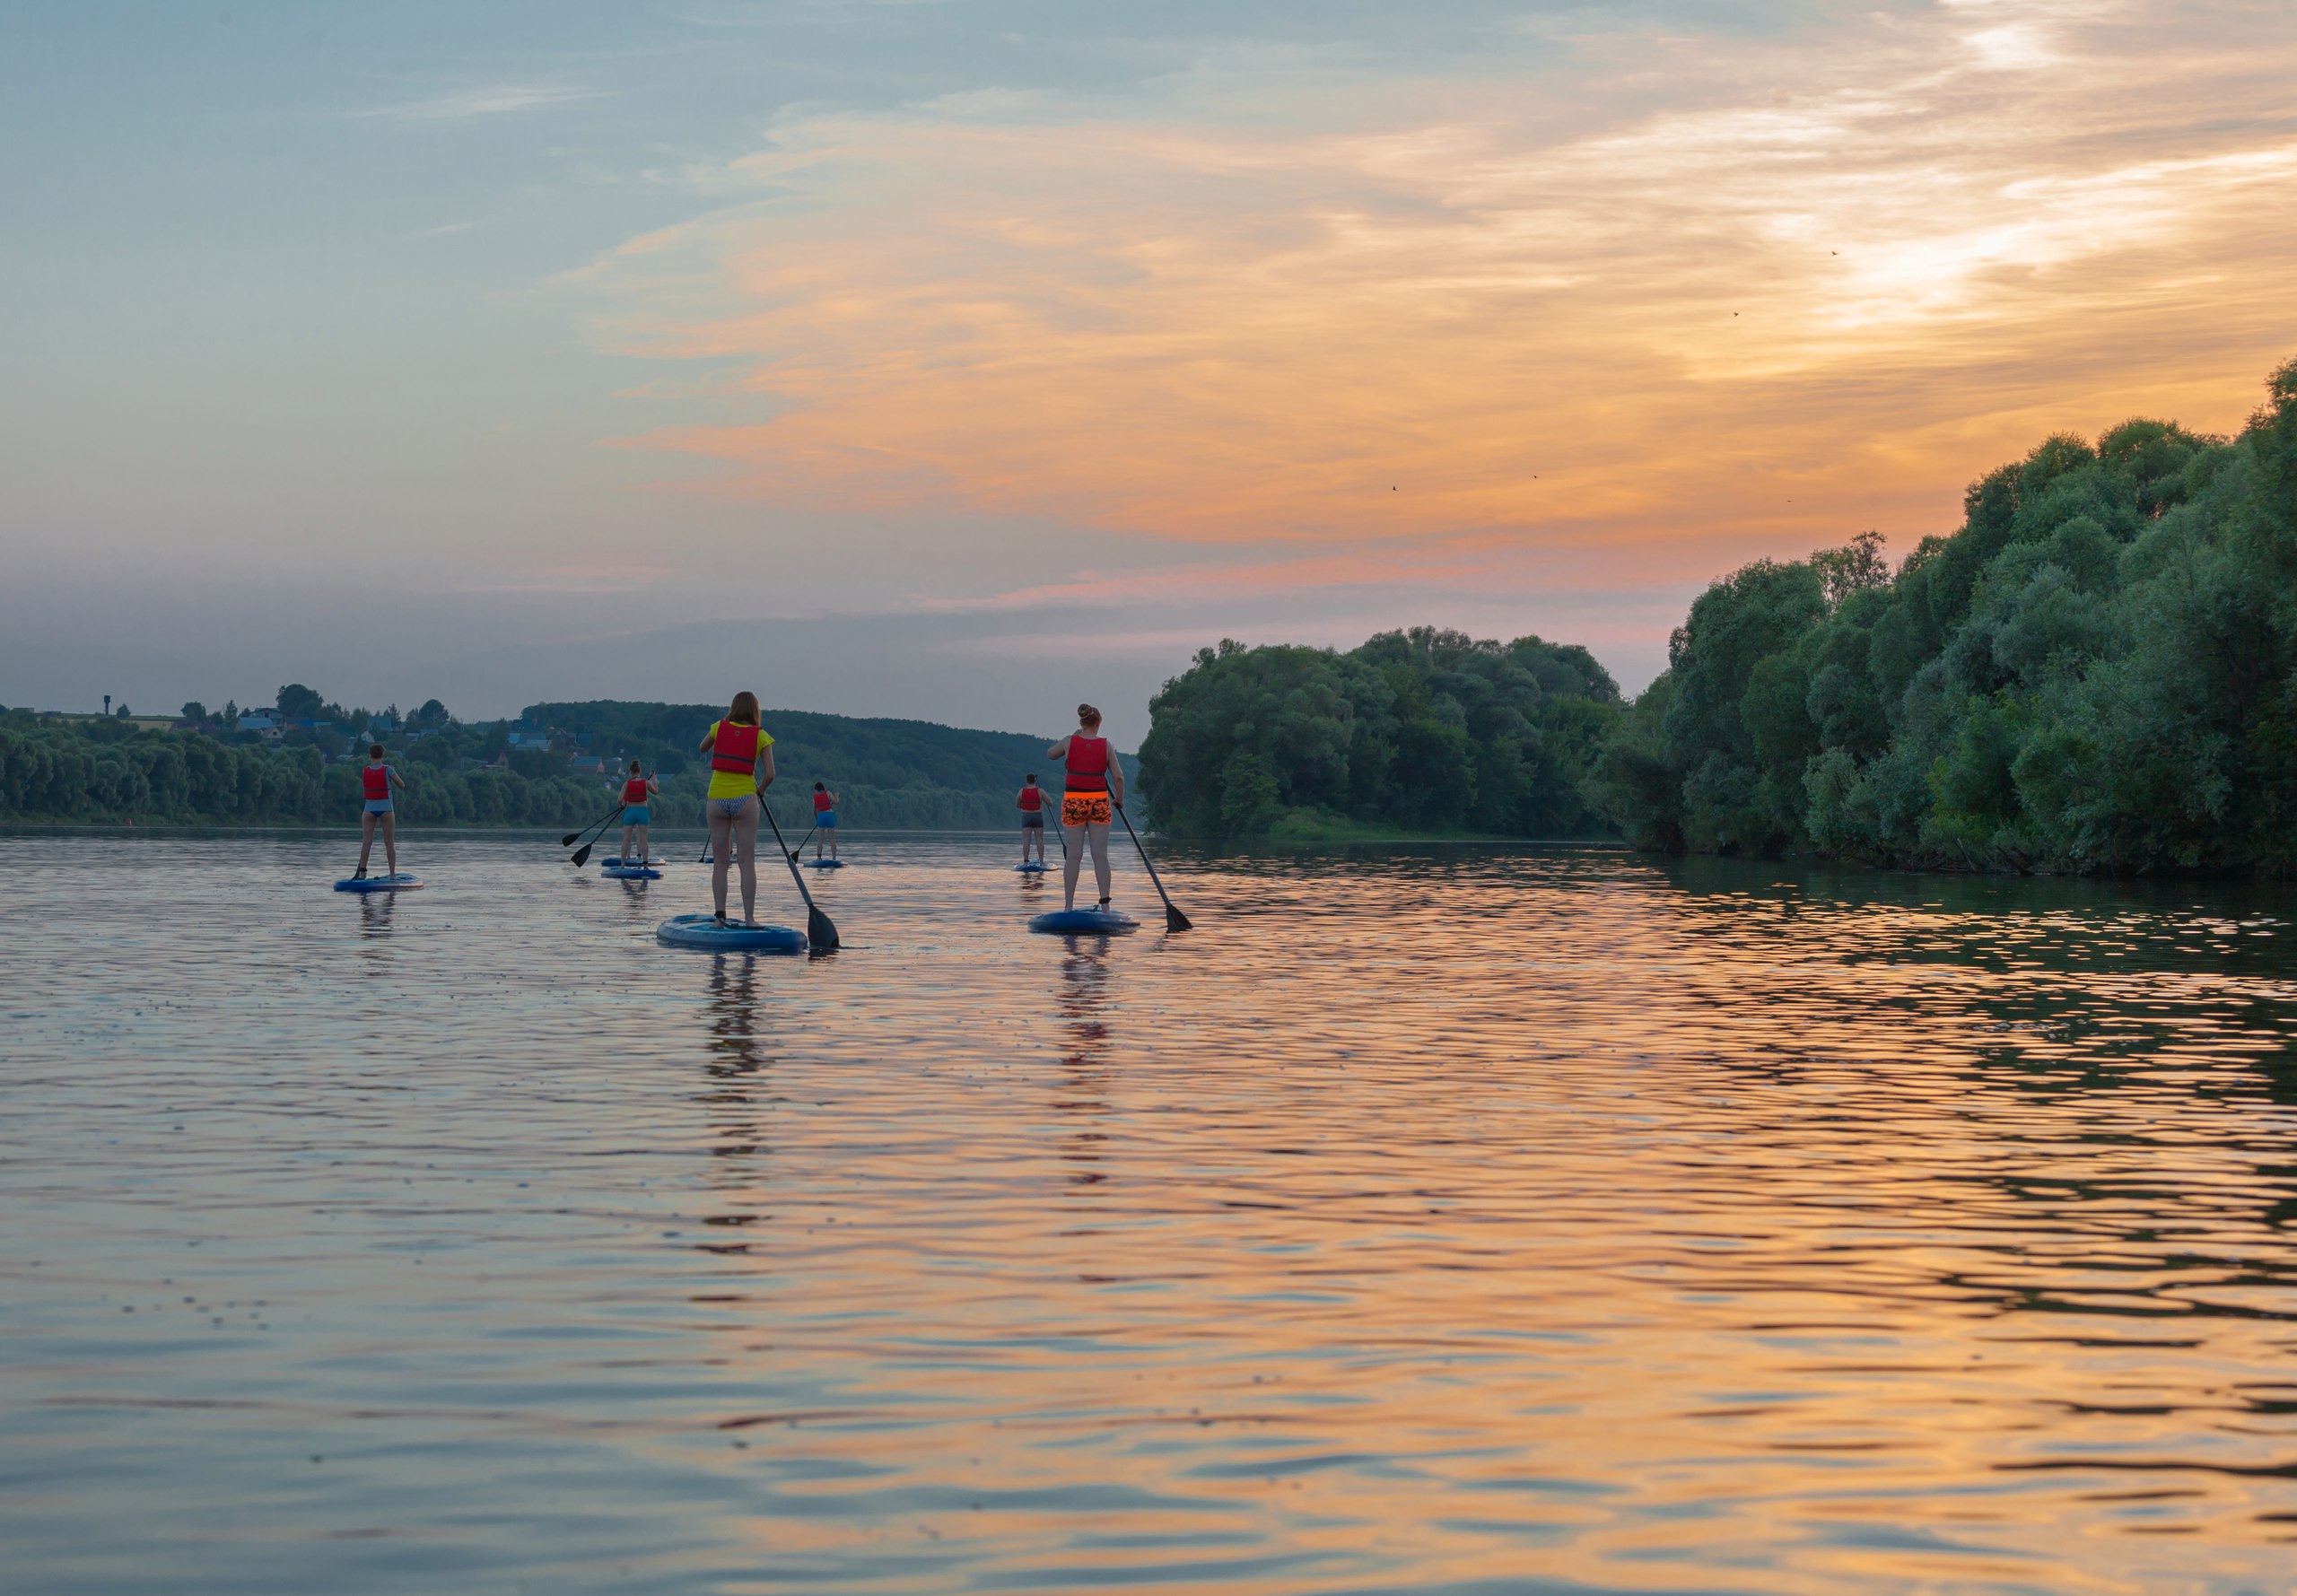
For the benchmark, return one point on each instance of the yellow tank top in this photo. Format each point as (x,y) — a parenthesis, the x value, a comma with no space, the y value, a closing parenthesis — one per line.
(730,784)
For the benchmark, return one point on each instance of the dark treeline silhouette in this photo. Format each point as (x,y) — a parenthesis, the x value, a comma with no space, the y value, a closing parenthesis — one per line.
(2096,672)
(1421,731)
(207,769)
(2093,673)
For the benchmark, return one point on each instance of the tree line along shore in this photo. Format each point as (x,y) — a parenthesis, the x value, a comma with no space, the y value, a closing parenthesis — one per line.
(2095,671)
(295,763)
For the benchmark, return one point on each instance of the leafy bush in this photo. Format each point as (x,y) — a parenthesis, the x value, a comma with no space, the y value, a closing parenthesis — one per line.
(2097,671)
(1425,730)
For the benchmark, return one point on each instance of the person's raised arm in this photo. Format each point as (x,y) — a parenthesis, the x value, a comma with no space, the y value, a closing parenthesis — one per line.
(1059,752)
(709,741)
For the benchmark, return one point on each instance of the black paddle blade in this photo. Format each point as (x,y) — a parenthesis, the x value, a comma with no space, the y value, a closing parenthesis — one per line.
(568,839)
(583,856)
(821,936)
(1174,921)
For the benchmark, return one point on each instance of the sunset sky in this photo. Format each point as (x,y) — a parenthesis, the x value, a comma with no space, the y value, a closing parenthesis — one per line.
(958,360)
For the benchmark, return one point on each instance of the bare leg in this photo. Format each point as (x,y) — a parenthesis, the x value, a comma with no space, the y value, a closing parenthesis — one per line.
(366,838)
(625,843)
(1074,857)
(1099,829)
(744,829)
(645,847)
(722,855)
(390,839)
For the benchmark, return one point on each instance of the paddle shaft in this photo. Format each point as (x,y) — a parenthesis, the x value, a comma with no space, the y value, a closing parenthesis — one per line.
(1174,921)
(569,840)
(821,936)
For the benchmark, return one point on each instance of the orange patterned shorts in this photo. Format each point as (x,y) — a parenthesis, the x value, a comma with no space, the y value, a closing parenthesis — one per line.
(1086,809)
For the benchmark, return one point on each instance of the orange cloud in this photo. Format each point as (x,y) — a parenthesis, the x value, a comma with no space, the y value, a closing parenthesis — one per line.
(1819,287)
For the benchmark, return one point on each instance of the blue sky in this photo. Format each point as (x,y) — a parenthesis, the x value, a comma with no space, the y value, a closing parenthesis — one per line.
(959,359)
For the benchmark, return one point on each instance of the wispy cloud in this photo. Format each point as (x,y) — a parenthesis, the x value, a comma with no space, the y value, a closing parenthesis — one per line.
(1709,292)
(492,100)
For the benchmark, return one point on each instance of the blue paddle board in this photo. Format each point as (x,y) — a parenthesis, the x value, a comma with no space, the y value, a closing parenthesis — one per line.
(701,931)
(825,864)
(1083,922)
(629,873)
(401,882)
(616,858)
(1031,869)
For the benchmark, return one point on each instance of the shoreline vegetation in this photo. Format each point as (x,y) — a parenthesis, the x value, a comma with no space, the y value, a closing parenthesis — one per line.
(2095,673)
(296,764)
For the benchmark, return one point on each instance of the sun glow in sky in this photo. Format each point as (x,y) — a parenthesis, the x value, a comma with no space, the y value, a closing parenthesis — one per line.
(953,360)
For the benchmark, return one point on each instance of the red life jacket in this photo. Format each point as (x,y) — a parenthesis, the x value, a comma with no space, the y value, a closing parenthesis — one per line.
(633,791)
(377,780)
(1032,799)
(1088,764)
(735,750)
(823,803)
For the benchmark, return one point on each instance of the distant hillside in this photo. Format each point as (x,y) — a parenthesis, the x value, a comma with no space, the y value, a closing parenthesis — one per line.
(891,773)
(296,764)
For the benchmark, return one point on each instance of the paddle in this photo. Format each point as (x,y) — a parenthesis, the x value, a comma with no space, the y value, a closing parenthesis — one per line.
(583,854)
(806,839)
(821,937)
(568,839)
(1174,921)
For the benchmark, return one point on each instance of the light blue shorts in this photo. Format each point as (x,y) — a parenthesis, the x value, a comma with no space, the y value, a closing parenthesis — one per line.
(731,808)
(379,806)
(633,814)
(827,819)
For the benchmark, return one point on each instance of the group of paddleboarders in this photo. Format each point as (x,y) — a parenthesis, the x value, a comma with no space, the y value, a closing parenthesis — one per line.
(741,771)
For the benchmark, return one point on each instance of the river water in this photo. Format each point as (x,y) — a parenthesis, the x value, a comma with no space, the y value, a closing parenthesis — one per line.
(1446,1221)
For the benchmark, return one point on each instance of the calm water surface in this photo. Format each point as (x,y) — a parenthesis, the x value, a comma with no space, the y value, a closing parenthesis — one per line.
(1447,1222)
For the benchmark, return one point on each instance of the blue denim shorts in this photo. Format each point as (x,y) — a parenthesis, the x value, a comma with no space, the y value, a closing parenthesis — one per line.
(633,814)
(379,806)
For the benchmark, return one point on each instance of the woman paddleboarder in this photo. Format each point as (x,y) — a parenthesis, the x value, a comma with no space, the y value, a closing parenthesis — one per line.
(1092,782)
(1031,804)
(636,790)
(741,768)
(377,782)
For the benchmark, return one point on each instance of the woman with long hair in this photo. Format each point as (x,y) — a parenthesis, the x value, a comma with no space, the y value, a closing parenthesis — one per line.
(741,768)
(1092,780)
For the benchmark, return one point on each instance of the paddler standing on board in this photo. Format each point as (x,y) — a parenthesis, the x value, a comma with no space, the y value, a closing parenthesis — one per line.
(1031,804)
(376,781)
(637,788)
(1092,782)
(741,768)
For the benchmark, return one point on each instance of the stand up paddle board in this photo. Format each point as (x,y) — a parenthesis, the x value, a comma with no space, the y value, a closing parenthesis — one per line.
(404,881)
(825,864)
(616,872)
(702,930)
(1083,922)
(1030,869)
(616,858)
